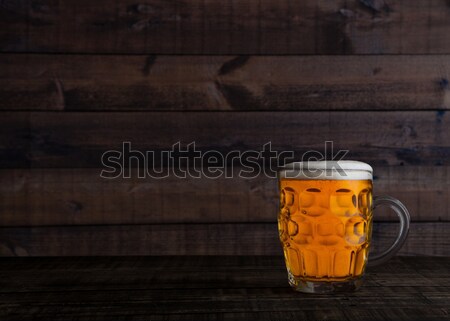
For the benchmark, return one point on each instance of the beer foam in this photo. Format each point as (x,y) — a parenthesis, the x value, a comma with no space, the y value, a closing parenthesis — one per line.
(327,170)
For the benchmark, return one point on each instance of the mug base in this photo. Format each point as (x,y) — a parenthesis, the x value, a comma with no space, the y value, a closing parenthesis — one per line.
(326,287)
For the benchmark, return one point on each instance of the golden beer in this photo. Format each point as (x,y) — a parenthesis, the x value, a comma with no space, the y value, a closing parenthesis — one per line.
(324,227)
(325,224)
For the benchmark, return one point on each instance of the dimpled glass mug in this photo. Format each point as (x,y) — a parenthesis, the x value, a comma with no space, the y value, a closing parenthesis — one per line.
(325,224)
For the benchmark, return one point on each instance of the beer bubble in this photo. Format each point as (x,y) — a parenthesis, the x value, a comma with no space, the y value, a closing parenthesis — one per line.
(315,211)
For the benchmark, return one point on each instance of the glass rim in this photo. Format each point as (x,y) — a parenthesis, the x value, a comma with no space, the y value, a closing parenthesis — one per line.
(327,170)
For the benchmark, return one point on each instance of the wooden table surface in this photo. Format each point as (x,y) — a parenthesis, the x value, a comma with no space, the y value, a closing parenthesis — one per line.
(212,288)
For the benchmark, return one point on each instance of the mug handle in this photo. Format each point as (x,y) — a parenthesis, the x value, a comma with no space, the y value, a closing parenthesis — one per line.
(404,217)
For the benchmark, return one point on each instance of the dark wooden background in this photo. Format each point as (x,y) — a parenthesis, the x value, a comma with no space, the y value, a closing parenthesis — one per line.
(79,77)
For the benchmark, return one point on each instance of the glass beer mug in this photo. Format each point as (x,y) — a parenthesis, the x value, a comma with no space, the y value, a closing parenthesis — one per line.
(325,224)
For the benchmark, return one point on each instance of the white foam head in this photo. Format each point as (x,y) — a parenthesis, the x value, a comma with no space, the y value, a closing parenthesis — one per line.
(327,170)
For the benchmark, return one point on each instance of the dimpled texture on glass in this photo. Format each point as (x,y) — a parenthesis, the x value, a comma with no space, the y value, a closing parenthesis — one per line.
(324,227)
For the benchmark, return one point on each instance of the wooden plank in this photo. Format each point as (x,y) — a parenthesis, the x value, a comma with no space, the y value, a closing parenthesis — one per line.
(49,197)
(94,82)
(215,304)
(225,287)
(15,139)
(37,290)
(426,266)
(230,27)
(162,282)
(268,296)
(77,139)
(191,239)
(325,313)
(208,275)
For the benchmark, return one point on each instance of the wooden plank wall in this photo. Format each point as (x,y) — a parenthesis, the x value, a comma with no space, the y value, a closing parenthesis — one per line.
(79,77)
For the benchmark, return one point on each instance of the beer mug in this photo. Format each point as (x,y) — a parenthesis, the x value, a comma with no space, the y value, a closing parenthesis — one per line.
(325,224)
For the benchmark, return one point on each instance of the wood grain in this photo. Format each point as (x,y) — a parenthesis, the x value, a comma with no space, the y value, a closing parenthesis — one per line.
(77,139)
(161,275)
(93,82)
(227,27)
(191,239)
(47,197)
(212,288)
